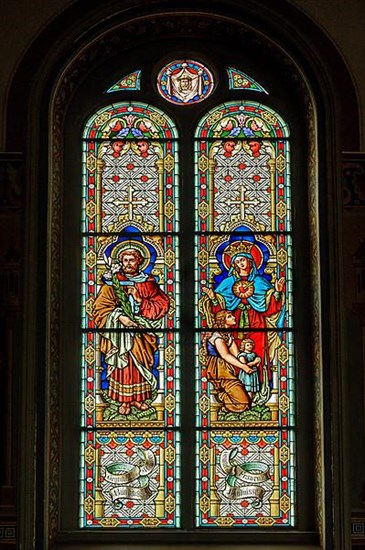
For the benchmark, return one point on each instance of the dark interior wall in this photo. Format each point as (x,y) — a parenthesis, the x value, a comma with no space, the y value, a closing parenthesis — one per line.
(22,21)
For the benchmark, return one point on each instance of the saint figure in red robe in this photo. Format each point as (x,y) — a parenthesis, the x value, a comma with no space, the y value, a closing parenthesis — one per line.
(129,299)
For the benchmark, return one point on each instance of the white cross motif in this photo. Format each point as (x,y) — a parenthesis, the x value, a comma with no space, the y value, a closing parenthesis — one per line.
(129,202)
(242,202)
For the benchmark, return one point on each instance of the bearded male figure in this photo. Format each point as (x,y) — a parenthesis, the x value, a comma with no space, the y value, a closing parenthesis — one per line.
(129,299)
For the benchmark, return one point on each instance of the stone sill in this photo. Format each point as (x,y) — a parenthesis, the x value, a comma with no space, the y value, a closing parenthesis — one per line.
(290,540)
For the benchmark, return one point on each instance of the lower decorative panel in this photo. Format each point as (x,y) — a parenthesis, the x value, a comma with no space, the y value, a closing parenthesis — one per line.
(245,478)
(130,479)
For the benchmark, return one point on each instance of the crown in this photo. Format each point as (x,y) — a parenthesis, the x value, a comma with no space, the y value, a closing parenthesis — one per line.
(238,247)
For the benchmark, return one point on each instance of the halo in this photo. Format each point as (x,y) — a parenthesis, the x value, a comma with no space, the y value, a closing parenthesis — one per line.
(136,245)
(242,246)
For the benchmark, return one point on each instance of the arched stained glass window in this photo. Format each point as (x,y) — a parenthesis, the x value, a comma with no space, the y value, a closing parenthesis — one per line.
(245,454)
(244,346)
(130,320)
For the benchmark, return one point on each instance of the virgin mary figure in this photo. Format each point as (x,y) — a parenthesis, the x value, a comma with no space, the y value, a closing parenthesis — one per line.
(255,304)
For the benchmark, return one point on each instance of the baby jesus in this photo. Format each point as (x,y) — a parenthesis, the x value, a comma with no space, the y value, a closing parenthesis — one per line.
(252,360)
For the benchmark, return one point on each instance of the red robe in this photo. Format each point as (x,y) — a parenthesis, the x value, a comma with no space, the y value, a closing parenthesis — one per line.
(127,384)
(257,319)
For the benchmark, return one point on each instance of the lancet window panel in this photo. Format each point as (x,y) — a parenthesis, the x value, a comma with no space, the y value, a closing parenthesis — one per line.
(243,169)
(130,318)
(247,176)
(266,291)
(160,261)
(104,384)
(245,368)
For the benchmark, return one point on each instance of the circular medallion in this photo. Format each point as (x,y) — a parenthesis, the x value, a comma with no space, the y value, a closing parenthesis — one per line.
(185,82)
(243,289)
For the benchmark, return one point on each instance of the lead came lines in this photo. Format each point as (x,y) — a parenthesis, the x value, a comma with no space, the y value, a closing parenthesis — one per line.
(244,181)
(130,187)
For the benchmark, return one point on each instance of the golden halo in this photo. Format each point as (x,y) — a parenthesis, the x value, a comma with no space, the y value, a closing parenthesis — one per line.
(134,245)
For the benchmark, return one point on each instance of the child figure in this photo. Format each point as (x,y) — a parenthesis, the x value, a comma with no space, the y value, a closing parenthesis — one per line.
(252,360)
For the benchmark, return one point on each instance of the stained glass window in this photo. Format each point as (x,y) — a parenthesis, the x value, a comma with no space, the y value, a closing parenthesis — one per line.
(243,345)
(245,448)
(129,82)
(185,82)
(240,81)
(130,472)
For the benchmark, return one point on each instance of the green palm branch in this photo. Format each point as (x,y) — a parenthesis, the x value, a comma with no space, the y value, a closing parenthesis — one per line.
(123,298)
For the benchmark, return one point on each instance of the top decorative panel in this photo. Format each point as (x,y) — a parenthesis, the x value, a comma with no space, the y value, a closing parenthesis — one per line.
(131,81)
(130,121)
(247,120)
(241,81)
(184,82)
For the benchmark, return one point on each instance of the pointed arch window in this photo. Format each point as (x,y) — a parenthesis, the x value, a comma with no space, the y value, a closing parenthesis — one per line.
(130,320)
(243,250)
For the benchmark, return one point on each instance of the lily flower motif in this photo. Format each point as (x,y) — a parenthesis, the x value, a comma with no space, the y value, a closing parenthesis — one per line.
(130,120)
